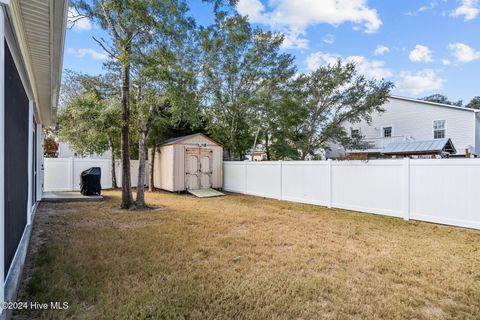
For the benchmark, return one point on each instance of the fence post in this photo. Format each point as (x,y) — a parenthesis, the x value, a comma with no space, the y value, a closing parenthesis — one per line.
(72,172)
(245,176)
(329,181)
(280,166)
(406,189)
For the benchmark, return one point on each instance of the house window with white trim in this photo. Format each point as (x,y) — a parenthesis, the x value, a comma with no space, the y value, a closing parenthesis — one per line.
(439,129)
(387,132)
(355,133)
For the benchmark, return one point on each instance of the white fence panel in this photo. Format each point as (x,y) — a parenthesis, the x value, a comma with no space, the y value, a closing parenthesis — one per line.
(374,187)
(57,174)
(234,176)
(444,191)
(306,182)
(263,179)
(63,174)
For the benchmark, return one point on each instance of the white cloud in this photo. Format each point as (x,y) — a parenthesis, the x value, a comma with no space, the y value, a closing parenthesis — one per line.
(370,68)
(446,62)
(424,8)
(294,40)
(77,22)
(431,5)
(318,59)
(83,52)
(293,17)
(469,9)
(422,81)
(329,39)
(381,50)
(463,53)
(421,54)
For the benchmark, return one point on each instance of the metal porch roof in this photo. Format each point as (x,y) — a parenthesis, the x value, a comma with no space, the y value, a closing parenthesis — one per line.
(420,147)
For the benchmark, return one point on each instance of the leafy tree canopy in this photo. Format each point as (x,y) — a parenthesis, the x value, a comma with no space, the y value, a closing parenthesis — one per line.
(238,64)
(330,97)
(440,98)
(474,103)
(90,113)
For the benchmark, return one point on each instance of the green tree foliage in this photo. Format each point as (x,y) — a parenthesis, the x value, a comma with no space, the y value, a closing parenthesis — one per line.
(164,79)
(227,79)
(329,97)
(89,117)
(474,103)
(440,98)
(133,25)
(130,24)
(238,66)
(285,122)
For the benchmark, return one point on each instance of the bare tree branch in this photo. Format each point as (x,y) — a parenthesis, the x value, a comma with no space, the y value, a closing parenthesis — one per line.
(110,53)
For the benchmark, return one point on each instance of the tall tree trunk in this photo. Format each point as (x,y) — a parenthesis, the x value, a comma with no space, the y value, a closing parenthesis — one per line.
(114,173)
(142,156)
(254,148)
(267,147)
(303,155)
(152,168)
(143,126)
(127,197)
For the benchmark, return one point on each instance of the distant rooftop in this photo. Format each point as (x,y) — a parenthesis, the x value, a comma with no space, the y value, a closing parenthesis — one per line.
(433,103)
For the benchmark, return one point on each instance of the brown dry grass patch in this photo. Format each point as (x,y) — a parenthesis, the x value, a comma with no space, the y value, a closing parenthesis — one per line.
(296,261)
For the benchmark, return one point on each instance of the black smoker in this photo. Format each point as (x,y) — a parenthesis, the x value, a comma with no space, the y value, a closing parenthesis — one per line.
(90,181)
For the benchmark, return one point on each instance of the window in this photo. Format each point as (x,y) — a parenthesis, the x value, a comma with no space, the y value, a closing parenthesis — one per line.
(355,133)
(387,132)
(439,129)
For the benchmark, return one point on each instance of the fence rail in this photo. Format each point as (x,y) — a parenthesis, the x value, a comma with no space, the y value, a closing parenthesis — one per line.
(63,174)
(445,191)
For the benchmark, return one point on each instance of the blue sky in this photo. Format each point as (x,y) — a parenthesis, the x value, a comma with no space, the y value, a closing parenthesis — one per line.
(423,46)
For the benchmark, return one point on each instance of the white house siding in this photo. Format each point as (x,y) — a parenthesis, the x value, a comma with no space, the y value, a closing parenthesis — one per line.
(477,132)
(415,119)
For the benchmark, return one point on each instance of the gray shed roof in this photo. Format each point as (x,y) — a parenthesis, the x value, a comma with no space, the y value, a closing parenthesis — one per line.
(420,147)
(176,139)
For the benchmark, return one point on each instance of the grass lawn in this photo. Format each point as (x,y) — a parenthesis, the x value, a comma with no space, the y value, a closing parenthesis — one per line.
(243,257)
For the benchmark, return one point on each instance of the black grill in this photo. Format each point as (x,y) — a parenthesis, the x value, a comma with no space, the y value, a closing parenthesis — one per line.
(90,182)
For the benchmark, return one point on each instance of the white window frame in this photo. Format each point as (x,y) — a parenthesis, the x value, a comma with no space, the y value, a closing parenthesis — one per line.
(383,132)
(355,129)
(444,129)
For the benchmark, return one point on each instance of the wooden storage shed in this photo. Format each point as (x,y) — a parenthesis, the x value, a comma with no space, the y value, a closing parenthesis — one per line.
(189,162)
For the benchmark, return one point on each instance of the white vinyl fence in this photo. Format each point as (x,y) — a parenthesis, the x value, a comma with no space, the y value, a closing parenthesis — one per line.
(445,191)
(63,174)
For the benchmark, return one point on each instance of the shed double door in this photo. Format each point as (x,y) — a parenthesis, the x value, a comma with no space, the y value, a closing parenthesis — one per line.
(198,168)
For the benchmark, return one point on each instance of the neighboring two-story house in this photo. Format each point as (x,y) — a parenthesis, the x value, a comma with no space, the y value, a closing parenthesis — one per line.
(407,122)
